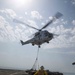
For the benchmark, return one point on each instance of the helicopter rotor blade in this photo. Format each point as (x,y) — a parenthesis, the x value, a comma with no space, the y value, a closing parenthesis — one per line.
(56,16)
(18,21)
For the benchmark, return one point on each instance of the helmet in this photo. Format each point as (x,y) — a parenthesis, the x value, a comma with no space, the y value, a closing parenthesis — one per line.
(42,67)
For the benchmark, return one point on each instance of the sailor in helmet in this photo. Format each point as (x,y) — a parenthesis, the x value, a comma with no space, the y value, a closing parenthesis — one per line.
(41,71)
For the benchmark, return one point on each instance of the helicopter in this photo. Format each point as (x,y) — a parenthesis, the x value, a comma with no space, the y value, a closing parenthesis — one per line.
(42,36)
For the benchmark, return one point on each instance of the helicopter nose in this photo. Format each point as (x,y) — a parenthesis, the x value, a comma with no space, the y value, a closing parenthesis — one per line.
(50,35)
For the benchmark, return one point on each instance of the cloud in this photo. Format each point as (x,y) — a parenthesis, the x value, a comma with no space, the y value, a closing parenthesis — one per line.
(32,23)
(9,13)
(73,2)
(14,33)
(36,15)
(3,27)
(73,31)
(17,32)
(73,22)
(26,13)
(8,32)
(60,22)
(65,1)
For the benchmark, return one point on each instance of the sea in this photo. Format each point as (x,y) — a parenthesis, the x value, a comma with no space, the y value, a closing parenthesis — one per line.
(68,73)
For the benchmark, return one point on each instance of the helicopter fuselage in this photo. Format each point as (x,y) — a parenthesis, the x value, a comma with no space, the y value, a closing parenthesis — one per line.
(39,38)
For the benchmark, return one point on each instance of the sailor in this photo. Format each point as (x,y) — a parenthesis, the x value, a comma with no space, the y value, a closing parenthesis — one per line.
(41,71)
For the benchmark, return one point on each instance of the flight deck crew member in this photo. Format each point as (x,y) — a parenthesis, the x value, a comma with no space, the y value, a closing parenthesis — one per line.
(41,71)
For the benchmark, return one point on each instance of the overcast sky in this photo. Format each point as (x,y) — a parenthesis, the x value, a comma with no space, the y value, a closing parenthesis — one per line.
(58,55)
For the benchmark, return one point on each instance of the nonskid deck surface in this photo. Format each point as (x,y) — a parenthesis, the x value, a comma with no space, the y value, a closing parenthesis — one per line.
(23,72)
(12,72)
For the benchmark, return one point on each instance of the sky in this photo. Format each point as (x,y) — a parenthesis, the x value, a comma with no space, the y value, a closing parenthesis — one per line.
(58,55)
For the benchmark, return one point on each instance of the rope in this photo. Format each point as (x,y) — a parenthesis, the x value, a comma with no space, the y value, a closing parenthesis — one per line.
(37,57)
(37,53)
(36,64)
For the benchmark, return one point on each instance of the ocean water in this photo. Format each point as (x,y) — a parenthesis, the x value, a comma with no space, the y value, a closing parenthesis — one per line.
(68,73)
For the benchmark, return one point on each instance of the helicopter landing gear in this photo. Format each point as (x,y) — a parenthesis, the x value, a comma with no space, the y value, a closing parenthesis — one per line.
(32,44)
(39,46)
(47,41)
